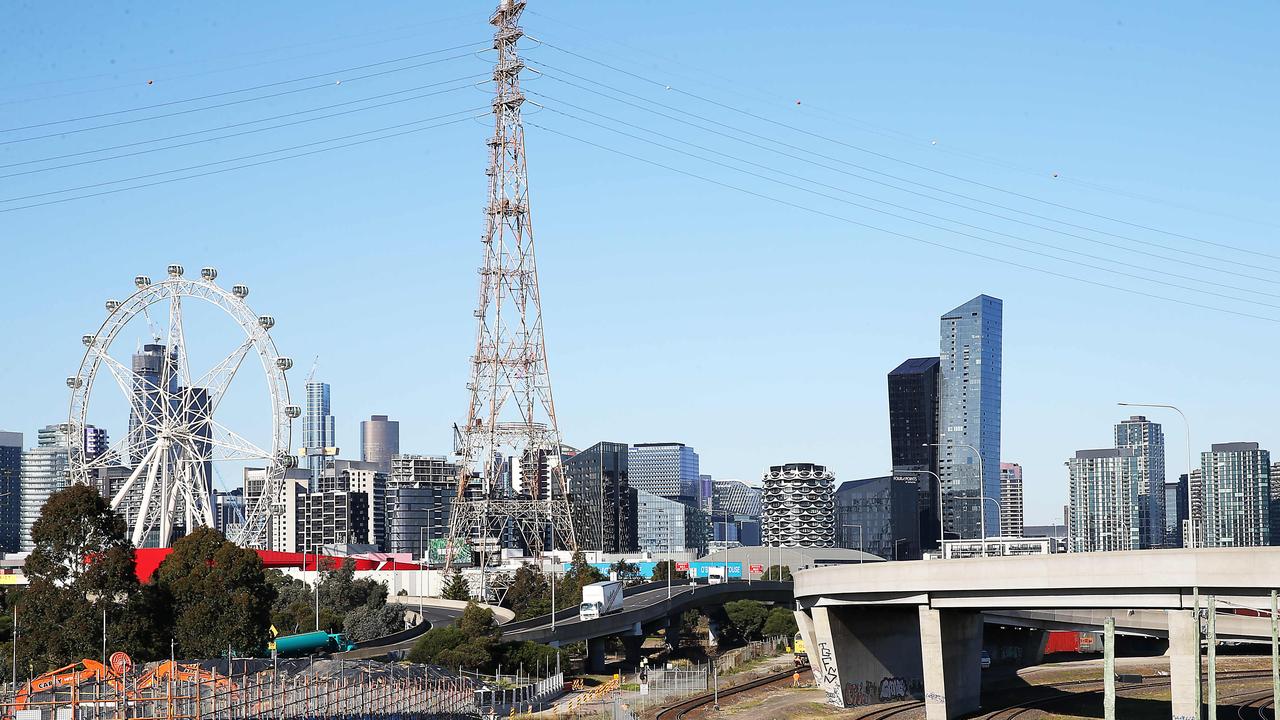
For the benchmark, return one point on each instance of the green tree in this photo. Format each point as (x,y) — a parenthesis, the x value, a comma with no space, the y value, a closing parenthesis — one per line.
(471,642)
(774,572)
(667,568)
(580,573)
(216,596)
(781,621)
(456,588)
(743,620)
(529,594)
(341,592)
(368,622)
(627,572)
(81,567)
(532,655)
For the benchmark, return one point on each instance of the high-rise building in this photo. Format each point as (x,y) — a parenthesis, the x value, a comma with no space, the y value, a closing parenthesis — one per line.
(331,517)
(706,490)
(1175,510)
(228,510)
(379,441)
(360,477)
(96,442)
(1147,438)
(280,527)
(660,524)
(420,494)
(735,512)
(602,499)
(43,473)
(319,437)
(1237,495)
(798,506)
(668,470)
(153,378)
(913,432)
(880,516)
(1275,503)
(969,416)
(1104,500)
(10,491)
(1011,506)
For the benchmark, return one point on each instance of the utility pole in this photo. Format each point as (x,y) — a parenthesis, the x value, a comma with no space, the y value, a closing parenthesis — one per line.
(512,413)
(1109,670)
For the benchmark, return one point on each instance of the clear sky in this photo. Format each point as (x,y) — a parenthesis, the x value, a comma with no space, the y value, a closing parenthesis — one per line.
(755,330)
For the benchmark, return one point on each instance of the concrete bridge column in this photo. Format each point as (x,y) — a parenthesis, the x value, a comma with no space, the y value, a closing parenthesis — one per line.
(595,655)
(866,654)
(1184,664)
(951,651)
(673,633)
(633,644)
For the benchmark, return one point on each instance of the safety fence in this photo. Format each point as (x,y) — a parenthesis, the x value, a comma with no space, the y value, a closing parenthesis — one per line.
(395,693)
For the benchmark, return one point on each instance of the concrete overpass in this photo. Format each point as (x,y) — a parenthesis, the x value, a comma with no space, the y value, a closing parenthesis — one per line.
(919,624)
(646,609)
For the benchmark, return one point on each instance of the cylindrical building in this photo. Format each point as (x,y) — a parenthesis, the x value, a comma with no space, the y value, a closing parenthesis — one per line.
(798,506)
(379,441)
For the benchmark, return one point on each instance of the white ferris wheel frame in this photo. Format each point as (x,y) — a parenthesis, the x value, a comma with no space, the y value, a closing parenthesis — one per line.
(160,505)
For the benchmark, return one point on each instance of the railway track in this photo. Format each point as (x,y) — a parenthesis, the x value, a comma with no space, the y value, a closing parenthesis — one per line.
(679,710)
(1256,701)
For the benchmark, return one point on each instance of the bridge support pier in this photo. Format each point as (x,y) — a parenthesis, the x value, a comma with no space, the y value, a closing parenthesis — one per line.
(865,654)
(1184,664)
(633,645)
(950,646)
(595,655)
(672,633)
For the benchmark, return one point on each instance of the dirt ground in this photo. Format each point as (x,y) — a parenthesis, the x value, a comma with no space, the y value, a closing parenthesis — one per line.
(1136,702)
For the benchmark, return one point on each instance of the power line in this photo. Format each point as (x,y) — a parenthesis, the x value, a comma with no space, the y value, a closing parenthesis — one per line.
(1216,258)
(980,238)
(237,102)
(250,122)
(918,166)
(726,83)
(238,91)
(1199,265)
(905,236)
(222,162)
(239,167)
(229,126)
(260,51)
(913,210)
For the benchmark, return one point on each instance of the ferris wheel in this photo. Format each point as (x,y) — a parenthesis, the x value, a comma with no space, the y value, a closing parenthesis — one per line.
(160,474)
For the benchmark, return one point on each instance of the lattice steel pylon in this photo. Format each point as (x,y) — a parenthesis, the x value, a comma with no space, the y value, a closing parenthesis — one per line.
(512,414)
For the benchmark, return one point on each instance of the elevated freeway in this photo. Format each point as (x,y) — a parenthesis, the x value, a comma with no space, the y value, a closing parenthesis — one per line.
(646,609)
(921,622)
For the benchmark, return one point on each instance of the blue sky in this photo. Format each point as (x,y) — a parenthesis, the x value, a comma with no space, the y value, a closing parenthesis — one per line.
(676,309)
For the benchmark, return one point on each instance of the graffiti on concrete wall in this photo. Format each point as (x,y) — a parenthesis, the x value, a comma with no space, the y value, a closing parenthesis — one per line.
(829,678)
(888,689)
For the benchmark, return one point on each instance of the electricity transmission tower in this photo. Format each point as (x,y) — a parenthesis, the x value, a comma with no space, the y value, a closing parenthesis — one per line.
(512,418)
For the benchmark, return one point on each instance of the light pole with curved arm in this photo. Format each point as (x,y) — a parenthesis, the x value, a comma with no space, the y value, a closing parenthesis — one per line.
(1191,518)
(982,494)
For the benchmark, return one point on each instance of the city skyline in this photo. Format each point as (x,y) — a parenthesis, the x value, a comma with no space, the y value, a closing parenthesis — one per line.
(738,326)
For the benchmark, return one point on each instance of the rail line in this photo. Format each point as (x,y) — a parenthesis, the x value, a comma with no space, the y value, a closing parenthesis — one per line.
(679,710)
(1255,700)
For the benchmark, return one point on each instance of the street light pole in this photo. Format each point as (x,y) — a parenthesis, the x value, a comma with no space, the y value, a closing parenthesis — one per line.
(982,493)
(942,528)
(861,546)
(1191,518)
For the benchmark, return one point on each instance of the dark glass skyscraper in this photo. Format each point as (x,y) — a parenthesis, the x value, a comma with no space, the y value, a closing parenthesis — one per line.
(601,498)
(913,427)
(10,491)
(879,516)
(970,352)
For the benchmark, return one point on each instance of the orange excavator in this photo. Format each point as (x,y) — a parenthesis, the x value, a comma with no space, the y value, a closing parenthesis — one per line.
(88,670)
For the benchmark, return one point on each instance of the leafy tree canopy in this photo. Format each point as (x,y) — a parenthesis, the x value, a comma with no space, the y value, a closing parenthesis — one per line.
(213,595)
(80,568)
(781,621)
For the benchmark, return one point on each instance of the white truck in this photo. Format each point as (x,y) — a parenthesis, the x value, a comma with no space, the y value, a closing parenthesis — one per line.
(600,599)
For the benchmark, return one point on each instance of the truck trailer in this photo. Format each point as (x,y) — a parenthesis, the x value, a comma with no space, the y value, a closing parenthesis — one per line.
(600,599)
